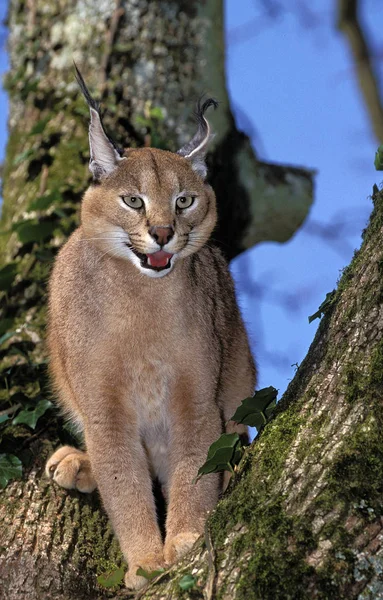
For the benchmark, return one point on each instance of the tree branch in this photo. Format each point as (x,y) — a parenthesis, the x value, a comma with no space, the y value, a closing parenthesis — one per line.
(349,24)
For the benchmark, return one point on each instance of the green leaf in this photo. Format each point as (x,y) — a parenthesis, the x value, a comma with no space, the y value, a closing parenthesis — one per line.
(4,338)
(157,113)
(149,575)
(187,582)
(40,126)
(256,410)
(19,158)
(31,415)
(111,578)
(44,202)
(7,275)
(4,418)
(60,213)
(10,468)
(44,255)
(141,121)
(378,162)
(225,442)
(323,307)
(5,325)
(221,455)
(34,231)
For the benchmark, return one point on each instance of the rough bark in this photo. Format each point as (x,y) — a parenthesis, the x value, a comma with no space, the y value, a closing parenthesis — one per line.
(143,56)
(303,518)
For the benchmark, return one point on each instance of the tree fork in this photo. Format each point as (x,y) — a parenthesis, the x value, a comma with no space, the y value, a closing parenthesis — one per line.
(150,55)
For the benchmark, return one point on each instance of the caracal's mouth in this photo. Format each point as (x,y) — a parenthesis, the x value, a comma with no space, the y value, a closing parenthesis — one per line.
(157,261)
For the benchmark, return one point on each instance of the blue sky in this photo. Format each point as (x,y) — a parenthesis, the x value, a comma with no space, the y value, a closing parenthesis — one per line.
(293,91)
(293,84)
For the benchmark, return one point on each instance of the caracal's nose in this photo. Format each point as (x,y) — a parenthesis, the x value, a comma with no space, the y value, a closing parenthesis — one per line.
(162,234)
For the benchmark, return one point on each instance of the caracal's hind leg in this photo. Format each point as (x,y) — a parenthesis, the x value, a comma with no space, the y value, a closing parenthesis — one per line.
(238,384)
(70,468)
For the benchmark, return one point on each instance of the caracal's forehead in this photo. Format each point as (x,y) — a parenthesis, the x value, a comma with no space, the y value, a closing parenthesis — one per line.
(150,171)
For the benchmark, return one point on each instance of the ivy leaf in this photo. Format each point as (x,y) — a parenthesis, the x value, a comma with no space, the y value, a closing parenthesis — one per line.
(10,468)
(222,455)
(141,121)
(22,156)
(7,336)
(187,582)
(157,113)
(31,415)
(323,307)
(7,275)
(34,231)
(60,213)
(378,162)
(5,325)
(111,578)
(149,575)
(40,126)
(44,202)
(44,255)
(256,410)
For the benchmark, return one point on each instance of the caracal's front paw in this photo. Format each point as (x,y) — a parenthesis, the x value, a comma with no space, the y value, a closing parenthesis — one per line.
(176,547)
(149,563)
(70,468)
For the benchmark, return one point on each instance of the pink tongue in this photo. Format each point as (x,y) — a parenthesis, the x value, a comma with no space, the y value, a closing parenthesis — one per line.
(159,259)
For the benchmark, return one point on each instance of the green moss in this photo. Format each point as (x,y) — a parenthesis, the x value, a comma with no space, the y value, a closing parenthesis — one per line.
(346,275)
(375,376)
(354,383)
(360,460)
(320,422)
(278,542)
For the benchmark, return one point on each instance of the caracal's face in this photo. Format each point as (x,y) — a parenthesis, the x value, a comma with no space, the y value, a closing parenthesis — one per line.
(152,210)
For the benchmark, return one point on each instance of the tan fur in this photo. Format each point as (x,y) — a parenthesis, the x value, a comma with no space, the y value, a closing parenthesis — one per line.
(149,367)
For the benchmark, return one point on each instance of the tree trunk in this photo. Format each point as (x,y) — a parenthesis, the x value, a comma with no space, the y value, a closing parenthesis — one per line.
(150,60)
(303,518)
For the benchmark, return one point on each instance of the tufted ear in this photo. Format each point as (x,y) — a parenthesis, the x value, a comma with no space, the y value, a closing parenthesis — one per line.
(196,149)
(104,155)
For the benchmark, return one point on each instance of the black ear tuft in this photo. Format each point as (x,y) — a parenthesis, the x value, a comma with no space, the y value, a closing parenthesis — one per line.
(104,154)
(201,108)
(196,149)
(86,93)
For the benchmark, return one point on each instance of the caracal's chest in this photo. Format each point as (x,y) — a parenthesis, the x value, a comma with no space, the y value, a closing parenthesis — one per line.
(151,330)
(152,382)
(151,370)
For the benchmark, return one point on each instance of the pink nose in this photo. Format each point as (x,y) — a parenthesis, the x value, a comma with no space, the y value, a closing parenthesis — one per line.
(162,235)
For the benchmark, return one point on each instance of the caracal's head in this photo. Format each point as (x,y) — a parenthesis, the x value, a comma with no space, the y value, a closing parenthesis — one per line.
(148,206)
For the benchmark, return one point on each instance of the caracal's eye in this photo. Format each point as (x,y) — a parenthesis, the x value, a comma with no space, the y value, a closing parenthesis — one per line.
(184,201)
(133,201)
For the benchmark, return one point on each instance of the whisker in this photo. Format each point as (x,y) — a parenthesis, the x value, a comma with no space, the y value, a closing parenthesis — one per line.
(100,238)
(108,252)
